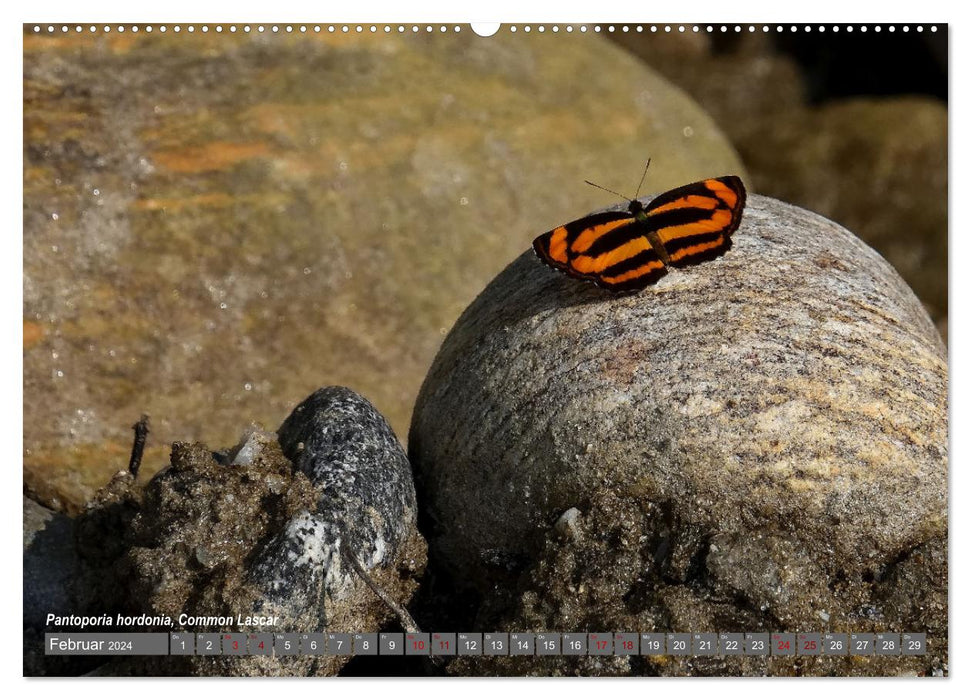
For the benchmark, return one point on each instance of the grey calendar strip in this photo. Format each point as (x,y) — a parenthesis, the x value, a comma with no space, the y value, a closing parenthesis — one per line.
(487,644)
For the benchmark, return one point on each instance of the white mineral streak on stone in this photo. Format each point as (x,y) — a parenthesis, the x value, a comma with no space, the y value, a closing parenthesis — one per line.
(315,538)
(566,526)
(250,445)
(379,553)
(314,550)
(336,580)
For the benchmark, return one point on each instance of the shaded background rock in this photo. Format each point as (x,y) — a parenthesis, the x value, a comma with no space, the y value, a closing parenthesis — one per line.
(50,568)
(769,431)
(217,224)
(49,561)
(206,538)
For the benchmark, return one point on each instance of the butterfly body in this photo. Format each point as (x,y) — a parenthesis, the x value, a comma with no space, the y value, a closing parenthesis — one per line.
(637,209)
(628,250)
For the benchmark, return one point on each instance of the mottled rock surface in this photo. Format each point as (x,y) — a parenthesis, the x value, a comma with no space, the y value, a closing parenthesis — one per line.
(217,224)
(755,443)
(349,452)
(262,536)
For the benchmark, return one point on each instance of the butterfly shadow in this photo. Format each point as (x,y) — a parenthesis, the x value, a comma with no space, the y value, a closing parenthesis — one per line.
(527,288)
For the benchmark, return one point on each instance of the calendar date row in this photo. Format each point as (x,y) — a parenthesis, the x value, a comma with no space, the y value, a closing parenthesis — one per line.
(492,644)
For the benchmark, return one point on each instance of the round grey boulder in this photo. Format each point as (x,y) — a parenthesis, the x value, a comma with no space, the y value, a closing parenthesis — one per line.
(770,429)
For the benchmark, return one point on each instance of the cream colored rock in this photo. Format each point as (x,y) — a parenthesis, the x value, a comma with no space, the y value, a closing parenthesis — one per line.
(233,220)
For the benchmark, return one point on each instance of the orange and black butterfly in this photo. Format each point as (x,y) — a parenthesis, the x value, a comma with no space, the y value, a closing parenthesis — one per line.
(628,250)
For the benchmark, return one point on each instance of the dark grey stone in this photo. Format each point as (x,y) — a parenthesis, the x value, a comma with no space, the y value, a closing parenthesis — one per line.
(367,501)
(348,450)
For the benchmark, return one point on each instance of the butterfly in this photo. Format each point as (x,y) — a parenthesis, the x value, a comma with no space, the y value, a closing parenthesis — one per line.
(628,250)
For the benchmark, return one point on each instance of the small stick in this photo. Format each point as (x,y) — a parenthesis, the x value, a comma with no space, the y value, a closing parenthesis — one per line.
(138,447)
(407,621)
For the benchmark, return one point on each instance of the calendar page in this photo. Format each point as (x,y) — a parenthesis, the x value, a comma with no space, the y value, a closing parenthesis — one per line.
(575,349)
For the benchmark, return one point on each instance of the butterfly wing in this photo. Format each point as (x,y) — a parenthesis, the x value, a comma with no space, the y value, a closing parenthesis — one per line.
(695,222)
(608,248)
(613,249)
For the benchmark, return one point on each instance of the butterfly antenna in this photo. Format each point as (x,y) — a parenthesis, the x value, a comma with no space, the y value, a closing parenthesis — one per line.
(642,178)
(606,190)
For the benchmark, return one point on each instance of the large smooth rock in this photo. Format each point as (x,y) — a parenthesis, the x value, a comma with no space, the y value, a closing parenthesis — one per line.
(757,442)
(233,220)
